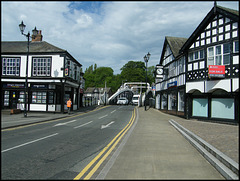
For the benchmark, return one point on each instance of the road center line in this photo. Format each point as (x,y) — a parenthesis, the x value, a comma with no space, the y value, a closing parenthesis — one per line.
(113,111)
(29,142)
(103,116)
(60,124)
(83,124)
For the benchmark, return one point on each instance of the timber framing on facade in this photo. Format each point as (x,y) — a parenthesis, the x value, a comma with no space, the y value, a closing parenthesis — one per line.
(54,76)
(201,77)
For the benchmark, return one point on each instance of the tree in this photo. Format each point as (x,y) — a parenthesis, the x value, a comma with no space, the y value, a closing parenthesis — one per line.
(150,74)
(133,71)
(102,74)
(130,72)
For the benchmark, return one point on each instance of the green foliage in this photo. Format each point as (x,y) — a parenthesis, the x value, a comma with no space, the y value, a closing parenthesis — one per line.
(130,72)
(133,72)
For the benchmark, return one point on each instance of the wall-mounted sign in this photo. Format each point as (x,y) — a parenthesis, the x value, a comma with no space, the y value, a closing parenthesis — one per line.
(159,71)
(172,84)
(14,85)
(216,71)
(39,86)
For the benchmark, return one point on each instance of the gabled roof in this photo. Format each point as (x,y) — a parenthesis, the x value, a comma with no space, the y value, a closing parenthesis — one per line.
(230,13)
(34,47)
(175,44)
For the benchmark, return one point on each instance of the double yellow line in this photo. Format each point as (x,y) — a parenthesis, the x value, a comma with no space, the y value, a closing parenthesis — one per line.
(108,149)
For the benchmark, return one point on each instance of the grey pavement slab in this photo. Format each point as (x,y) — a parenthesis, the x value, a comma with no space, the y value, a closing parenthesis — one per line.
(224,137)
(156,150)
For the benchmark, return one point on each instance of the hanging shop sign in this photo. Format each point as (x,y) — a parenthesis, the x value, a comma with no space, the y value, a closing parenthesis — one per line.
(159,72)
(66,71)
(81,91)
(216,71)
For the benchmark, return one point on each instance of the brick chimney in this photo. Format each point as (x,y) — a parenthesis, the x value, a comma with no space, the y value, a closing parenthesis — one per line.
(38,36)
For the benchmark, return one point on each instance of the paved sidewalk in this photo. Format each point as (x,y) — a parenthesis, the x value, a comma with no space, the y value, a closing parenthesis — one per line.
(156,150)
(8,120)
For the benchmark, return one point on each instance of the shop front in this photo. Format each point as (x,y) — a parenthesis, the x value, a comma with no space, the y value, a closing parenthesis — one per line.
(218,105)
(42,96)
(172,99)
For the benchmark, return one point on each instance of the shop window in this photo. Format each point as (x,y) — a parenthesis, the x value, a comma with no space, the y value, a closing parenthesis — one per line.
(51,98)
(172,101)
(222,108)
(181,100)
(21,97)
(39,97)
(10,66)
(200,107)
(6,98)
(164,101)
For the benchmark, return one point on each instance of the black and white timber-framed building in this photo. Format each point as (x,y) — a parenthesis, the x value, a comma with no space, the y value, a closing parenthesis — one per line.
(53,77)
(210,61)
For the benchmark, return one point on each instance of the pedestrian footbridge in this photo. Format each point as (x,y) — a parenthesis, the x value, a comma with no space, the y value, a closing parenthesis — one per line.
(129,89)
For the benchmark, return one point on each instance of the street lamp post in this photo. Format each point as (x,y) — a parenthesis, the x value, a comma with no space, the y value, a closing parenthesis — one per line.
(146,58)
(35,31)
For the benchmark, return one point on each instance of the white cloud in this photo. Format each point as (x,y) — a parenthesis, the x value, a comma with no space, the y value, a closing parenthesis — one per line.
(106,33)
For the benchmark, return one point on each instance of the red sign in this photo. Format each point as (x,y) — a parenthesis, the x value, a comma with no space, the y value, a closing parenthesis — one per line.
(217,71)
(81,91)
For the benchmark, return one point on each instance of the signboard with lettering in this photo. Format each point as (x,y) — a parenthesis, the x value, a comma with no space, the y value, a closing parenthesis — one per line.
(172,84)
(38,86)
(14,85)
(216,71)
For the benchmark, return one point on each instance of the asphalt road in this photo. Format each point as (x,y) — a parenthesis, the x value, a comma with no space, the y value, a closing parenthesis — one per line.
(60,149)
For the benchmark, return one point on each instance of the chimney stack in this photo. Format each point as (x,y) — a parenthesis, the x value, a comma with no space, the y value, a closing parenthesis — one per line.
(38,37)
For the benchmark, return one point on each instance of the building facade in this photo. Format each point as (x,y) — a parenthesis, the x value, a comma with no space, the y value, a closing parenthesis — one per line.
(211,57)
(53,77)
(170,90)
(96,95)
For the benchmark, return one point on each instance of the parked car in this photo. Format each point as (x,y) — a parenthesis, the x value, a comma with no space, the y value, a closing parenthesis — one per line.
(122,101)
(135,99)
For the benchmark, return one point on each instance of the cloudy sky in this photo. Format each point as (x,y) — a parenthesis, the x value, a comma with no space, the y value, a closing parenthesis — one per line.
(106,33)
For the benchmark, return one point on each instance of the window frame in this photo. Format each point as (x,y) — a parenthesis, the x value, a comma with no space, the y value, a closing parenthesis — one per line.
(234,46)
(11,66)
(196,55)
(38,67)
(218,55)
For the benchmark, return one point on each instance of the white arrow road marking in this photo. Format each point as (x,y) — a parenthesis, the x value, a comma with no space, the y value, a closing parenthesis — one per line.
(103,116)
(83,124)
(29,142)
(60,124)
(105,126)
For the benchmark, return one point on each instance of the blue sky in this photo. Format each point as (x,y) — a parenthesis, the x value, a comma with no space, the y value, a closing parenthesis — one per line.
(109,33)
